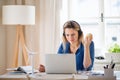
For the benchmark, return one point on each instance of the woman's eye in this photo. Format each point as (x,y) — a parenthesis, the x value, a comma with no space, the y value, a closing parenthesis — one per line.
(67,34)
(72,34)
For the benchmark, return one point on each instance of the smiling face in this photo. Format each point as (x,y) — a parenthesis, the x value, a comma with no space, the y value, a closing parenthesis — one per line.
(71,35)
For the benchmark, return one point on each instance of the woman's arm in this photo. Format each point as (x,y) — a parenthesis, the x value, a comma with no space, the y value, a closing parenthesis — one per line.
(87,59)
(87,51)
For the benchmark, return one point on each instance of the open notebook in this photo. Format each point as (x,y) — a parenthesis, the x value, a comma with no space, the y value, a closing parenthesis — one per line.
(60,63)
(23,69)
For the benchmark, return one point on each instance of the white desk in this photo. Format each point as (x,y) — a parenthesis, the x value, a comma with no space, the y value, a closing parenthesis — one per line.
(14,76)
(44,76)
(69,77)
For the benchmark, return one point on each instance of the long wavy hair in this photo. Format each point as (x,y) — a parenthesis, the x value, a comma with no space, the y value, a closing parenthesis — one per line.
(74,25)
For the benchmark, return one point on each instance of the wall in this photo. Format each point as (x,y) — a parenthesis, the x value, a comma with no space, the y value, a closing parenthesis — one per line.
(7,39)
(2,42)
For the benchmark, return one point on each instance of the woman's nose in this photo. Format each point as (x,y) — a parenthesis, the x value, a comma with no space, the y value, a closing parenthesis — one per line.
(71,37)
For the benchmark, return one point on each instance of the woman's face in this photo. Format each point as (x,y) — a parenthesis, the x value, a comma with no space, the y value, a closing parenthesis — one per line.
(71,35)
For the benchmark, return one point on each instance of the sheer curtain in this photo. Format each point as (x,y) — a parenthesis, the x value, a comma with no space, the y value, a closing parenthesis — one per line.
(45,36)
(49,26)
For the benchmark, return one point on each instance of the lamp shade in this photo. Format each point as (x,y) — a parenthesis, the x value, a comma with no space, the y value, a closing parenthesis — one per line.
(18,14)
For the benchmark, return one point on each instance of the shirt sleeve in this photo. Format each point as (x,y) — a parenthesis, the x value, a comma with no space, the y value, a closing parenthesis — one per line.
(60,49)
(91,55)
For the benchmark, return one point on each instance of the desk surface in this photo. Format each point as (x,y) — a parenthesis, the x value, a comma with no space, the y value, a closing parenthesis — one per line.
(80,76)
(44,76)
(14,76)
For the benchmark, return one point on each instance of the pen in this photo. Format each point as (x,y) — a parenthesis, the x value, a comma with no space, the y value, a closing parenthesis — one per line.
(106,67)
(113,66)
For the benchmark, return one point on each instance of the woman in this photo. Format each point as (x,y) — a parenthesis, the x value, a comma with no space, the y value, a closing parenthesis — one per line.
(73,43)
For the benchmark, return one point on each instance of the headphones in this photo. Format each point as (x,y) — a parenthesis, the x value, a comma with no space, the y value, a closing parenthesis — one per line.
(72,26)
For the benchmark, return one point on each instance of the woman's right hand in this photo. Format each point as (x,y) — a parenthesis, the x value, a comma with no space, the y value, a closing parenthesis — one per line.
(42,68)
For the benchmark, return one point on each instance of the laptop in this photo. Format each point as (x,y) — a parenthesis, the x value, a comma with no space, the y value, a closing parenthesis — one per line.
(60,63)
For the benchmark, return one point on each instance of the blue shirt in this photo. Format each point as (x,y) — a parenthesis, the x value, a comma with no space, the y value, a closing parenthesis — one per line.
(79,55)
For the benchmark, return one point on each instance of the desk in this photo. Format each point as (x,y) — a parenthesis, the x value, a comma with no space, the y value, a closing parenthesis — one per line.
(44,76)
(14,76)
(69,77)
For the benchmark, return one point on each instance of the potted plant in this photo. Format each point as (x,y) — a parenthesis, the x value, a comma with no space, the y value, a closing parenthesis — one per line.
(113,53)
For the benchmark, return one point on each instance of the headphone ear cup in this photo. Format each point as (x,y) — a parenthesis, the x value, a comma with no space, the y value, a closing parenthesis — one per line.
(63,34)
(79,33)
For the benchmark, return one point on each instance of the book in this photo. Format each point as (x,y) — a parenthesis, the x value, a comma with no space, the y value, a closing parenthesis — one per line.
(24,69)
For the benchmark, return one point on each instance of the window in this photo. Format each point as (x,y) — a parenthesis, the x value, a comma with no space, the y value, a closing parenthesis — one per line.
(112,20)
(98,19)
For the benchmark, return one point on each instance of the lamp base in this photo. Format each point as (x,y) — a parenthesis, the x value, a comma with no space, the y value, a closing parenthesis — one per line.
(20,39)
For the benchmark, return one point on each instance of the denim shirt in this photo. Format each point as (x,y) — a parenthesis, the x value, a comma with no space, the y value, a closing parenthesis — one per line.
(79,55)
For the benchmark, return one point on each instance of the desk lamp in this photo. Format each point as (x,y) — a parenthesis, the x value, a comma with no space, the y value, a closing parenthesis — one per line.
(19,15)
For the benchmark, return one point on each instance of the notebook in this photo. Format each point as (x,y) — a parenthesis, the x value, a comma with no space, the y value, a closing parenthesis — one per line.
(60,63)
(23,69)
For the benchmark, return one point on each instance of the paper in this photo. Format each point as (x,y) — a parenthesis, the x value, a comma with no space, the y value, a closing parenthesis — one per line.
(24,69)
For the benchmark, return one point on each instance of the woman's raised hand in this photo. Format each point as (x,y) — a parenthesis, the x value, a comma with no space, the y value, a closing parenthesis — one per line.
(87,40)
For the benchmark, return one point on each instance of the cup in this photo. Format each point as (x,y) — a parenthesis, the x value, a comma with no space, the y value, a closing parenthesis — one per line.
(109,72)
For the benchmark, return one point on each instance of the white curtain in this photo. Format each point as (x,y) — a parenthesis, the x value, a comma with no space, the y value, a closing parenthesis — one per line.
(49,26)
(45,36)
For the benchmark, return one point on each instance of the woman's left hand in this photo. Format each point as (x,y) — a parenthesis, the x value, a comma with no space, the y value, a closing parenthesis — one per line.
(88,40)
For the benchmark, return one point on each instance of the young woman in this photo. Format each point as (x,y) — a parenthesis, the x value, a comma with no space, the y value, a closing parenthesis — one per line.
(73,43)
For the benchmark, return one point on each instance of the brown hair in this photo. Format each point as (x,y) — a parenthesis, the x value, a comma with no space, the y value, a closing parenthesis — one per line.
(74,25)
